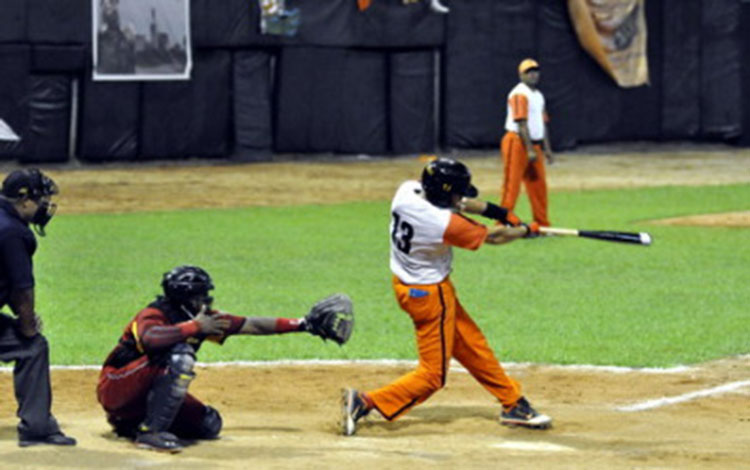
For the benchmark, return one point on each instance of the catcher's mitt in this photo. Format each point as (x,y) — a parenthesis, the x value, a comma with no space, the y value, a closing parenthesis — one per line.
(331,318)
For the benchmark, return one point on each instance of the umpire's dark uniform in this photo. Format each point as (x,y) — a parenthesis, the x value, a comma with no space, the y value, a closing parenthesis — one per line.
(31,378)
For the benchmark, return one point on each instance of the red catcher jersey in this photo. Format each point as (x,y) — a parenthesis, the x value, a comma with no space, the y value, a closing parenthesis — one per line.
(422,235)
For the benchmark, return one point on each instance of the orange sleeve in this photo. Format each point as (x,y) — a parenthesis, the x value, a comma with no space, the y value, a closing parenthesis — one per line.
(519,104)
(464,233)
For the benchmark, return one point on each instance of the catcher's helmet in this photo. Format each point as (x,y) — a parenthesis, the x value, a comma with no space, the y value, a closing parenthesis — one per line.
(444,177)
(187,287)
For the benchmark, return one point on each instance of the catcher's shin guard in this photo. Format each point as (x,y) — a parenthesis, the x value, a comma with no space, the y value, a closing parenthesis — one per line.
(169,390)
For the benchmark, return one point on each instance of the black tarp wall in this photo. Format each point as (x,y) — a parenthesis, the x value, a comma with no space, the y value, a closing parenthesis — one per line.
(367,82)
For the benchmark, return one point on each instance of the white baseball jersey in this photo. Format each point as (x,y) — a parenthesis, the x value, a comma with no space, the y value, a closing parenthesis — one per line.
(528,104)
(422,235)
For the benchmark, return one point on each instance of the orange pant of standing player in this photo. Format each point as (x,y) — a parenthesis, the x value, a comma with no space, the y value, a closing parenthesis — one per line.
(516,169)
(444,330)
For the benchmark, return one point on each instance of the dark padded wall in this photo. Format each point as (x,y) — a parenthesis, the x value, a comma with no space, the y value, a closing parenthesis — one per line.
(189,118)
(561,57)
(681,69)
(412,116)
(252,103)
(486,41)
(720,69)
(235,24)
(59,21)
(330,23)
(470,101)
(53,58)
(109,121)
(49,109)
(15,63)
(363,82)
(331,100)
(744,139)
(13,21)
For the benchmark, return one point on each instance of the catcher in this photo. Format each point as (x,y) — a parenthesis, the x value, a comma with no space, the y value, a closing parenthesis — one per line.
(143,385)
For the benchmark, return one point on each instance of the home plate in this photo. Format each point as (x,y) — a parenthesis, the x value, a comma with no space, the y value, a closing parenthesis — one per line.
(529,446)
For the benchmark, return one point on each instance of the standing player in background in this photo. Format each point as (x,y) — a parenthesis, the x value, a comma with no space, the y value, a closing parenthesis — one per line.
(144,381)
(526,143)
(26,199)
(425,224)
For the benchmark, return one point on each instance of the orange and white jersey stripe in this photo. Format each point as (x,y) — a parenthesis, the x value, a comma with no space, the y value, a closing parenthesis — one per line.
(526,104)
(422,235)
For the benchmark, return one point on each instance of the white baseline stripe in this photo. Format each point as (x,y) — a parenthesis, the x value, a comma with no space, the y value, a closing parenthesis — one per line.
(399,362)
(659,402)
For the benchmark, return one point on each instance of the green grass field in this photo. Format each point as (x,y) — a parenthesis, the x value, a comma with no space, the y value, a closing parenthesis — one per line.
(551,300)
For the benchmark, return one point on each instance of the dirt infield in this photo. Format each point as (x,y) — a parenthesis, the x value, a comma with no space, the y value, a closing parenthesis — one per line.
(284,417)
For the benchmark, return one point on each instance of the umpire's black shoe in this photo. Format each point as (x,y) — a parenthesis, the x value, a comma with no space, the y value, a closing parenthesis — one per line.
(522,414)
(353,407)
(55,439)
(159,441)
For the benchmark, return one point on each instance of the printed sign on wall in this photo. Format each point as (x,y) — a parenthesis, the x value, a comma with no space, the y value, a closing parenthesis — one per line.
(141,39)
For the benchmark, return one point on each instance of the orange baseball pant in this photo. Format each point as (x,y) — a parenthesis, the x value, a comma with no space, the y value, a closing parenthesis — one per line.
(443,330)
(516,169)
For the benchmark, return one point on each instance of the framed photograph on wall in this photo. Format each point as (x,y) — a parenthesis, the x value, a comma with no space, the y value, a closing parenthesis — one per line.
(141,39)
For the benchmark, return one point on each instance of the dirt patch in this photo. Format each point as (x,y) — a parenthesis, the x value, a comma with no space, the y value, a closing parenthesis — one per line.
(727,219)
(166,187)
(285,416)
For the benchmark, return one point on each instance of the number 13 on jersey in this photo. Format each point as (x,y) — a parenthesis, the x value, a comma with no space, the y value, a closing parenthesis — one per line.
(402,233)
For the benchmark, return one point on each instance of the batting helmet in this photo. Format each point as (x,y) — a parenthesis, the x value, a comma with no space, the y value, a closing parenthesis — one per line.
(187,287)
(444,177)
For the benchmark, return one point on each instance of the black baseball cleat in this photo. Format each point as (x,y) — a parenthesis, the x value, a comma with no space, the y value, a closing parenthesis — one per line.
(158,441)
(54,439)
(522,414)
(353,408)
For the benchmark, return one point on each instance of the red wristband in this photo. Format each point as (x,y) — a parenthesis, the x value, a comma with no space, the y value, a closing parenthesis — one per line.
(285,325)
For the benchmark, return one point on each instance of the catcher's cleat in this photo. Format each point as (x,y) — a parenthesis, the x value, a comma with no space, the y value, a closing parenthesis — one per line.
(158,441)
(522,414)
(353,408)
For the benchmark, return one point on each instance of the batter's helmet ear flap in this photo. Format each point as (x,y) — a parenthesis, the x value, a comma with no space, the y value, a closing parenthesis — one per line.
(188,287)
(444,177)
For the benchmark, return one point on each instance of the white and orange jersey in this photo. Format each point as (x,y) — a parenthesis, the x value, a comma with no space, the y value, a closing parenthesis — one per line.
(526,104)
(422,235)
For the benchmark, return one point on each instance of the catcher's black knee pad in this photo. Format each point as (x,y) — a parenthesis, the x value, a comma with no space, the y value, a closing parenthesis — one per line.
(211,425)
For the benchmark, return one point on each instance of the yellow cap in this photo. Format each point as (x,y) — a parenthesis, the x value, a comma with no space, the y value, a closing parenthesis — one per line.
(527,64)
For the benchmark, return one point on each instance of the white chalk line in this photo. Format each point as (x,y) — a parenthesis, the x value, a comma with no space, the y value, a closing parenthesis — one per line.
(528,446)
(665,401)
(456,367)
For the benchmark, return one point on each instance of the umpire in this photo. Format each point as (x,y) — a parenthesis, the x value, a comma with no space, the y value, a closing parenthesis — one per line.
(26,200)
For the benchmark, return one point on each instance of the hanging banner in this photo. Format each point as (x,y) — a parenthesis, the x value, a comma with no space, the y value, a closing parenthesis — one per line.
(141,39)
(613,32)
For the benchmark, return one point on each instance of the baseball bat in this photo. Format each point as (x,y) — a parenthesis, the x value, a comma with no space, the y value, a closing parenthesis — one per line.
(639,238)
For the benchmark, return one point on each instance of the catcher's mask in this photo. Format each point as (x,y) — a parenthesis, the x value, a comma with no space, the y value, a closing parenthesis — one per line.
(34,185)
(444,177)
(187,287)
